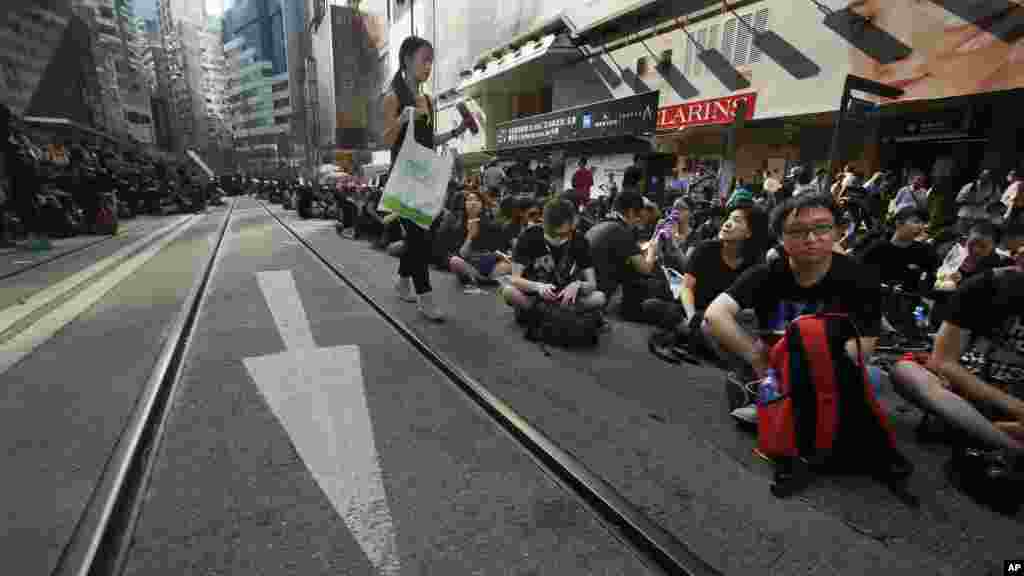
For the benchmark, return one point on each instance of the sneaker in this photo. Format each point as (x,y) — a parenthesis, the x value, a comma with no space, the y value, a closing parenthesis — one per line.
(429,309)
(404,288)
(40,244)
(747,414)
(472,290)
(605,326)
(349,233)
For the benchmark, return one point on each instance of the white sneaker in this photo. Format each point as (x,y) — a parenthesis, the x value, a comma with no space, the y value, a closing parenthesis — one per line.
(404,288)
(428,309)
(746,414)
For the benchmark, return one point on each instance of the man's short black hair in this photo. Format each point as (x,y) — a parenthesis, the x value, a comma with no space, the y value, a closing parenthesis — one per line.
(628,200)
(558,212)
(907,212)
(796,204)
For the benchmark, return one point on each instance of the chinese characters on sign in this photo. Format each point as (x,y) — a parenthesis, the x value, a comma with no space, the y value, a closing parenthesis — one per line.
(631,115)
(537,132)
(705,112)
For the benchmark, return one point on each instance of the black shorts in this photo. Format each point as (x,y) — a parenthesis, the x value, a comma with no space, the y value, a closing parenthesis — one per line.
(485,263)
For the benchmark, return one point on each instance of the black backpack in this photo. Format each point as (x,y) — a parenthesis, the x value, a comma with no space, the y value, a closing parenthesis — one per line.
(565,327)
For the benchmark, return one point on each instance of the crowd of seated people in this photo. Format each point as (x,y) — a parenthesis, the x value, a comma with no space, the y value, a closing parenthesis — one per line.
(737,292)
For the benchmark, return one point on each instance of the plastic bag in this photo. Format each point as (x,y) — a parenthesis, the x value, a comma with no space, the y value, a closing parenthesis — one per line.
(950,265)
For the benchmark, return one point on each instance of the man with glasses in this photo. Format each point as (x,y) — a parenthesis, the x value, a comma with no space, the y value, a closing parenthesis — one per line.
(809,278)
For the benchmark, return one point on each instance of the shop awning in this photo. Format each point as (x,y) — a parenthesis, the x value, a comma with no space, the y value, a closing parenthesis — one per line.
(522,62)
(639,16)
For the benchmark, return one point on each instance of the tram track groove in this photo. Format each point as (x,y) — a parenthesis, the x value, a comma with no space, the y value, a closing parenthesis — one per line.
(102,536)
(77,249)
(657,548)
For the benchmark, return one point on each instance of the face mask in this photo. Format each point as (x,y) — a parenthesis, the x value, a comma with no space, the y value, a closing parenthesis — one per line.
(555,242)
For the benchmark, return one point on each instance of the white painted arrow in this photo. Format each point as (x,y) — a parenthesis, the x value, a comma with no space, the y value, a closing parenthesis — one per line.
(318,396)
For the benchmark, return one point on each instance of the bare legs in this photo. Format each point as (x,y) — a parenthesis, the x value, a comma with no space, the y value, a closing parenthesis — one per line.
(466,271)
(925,390)
(515,298)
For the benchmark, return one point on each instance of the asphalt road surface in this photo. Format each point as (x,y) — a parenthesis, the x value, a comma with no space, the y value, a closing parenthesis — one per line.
(307,437)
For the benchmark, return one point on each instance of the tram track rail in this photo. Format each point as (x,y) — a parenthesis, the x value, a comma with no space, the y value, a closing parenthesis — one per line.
(102,537)
(657,548)
(76,250)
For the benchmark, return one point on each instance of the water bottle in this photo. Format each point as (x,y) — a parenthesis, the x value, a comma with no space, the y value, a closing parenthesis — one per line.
(769,387)
(921,316)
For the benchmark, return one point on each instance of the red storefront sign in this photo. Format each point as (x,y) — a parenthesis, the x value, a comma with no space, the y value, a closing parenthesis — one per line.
(705,112)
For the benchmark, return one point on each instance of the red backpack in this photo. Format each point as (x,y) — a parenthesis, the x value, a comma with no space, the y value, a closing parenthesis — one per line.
(823,414)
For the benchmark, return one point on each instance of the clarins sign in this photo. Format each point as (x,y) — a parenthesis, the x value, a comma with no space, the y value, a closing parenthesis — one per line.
(705,112)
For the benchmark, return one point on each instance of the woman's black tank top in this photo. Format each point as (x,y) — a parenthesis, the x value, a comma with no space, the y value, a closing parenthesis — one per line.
(423,131)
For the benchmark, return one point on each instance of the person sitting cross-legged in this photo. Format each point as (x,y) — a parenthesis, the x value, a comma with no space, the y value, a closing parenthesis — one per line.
(552,262)
(479,258)
(620,261)
(742,243)
(810,278)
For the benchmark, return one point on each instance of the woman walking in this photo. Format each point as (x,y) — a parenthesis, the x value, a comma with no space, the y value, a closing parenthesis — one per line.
(406,103)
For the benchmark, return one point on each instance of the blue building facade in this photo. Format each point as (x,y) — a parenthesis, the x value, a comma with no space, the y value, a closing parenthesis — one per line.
(261,23)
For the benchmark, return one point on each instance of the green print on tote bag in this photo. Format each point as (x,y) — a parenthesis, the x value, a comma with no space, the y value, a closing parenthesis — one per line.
(418,182)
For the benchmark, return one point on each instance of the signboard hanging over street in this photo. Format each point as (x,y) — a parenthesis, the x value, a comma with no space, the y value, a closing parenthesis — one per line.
(705,112)
(633,115)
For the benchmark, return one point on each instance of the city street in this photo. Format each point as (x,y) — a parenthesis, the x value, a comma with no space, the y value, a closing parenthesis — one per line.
(209,364)
(307,437)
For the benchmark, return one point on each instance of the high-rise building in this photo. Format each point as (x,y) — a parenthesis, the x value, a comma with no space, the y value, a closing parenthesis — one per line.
(257,87)
(192,74)
(46,64)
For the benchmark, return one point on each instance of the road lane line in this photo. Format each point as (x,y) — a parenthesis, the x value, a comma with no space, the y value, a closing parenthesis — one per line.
(319,397)
(23,343)
(286,306)
(12,314)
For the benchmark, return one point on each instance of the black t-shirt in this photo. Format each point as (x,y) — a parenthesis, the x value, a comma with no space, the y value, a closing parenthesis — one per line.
(901,265)
(510,233)
(612,243)
(848,288)
(713,275)
(539,259)
(991,304)
(631,178)
(490,239)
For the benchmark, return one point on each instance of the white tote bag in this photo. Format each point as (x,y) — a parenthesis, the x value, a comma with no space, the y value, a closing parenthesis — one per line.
(418,183)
